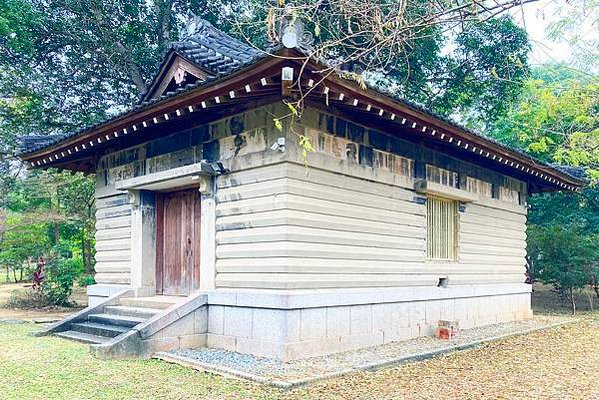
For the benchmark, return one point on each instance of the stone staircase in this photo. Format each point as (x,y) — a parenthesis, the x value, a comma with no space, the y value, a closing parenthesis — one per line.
(115,320)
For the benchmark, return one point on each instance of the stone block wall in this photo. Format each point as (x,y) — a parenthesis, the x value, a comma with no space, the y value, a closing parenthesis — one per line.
(296,333)
(186,332)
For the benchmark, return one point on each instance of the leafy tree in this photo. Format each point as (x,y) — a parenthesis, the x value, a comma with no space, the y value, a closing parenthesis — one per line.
(556,119)
(573,22)
(24,241)
(77,197)
(51,215)
(64,63)
(564,258)
(567,209)
(461,65)
(60,274)
(484,75)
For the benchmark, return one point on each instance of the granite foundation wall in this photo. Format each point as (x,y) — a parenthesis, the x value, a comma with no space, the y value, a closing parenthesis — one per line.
(291,332)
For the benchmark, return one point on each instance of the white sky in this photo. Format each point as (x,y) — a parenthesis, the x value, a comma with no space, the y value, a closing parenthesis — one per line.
(535,17)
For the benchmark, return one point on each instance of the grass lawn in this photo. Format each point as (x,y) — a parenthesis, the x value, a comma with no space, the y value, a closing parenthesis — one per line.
(53,368)
(560,363)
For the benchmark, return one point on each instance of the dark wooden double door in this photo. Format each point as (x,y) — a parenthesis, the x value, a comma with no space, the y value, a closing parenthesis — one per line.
(178,242)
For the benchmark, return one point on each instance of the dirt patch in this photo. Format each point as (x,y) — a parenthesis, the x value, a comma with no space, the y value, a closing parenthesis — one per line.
(40,314)
(545,300)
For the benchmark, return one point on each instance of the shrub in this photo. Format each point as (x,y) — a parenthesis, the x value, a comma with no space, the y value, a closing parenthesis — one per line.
(86,280)
(26,299)
(60,274)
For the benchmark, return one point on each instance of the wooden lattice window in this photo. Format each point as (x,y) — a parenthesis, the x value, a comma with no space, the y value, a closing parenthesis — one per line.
(441,229)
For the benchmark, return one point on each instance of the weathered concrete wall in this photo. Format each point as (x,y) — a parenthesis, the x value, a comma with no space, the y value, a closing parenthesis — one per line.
(352,218)
(349,219)
(239,141)
(113,239)
(346,218)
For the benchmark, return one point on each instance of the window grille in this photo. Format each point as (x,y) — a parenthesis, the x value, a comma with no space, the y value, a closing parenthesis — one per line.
(442,229)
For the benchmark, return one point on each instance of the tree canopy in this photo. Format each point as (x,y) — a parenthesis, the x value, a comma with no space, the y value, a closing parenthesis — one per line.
(66,63)
(556,119)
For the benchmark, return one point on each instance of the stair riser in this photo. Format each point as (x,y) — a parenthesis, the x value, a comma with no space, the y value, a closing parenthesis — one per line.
(138,313)
(132,302)
(112,321)
(66,335)
(95,331)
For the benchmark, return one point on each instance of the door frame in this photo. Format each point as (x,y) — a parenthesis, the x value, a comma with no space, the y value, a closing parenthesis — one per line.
(142,200)
(193,281)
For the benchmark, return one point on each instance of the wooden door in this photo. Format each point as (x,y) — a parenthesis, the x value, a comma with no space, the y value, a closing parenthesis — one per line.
(178,242)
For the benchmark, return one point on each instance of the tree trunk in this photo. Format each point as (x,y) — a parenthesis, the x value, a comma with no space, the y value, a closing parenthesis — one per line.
(87,252)
(56,226)
(2,223)
(56,233)
(572,302)
(163,10)
(83,248)
(131,68)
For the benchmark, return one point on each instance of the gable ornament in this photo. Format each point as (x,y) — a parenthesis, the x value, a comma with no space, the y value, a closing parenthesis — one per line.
(291,32)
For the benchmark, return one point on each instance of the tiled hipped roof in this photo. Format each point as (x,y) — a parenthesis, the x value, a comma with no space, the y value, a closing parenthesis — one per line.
(221,56)
(209,48)
(216,51)
(213,51)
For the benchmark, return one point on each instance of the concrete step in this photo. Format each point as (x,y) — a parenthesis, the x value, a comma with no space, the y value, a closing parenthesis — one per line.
(94,328)
(113,319)
(139,312)
(82,337)
(160,302)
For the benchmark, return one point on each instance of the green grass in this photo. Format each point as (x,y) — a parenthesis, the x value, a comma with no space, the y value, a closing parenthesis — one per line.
(53,368)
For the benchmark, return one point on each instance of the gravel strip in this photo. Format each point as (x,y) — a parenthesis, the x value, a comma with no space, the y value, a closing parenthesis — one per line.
(328,365)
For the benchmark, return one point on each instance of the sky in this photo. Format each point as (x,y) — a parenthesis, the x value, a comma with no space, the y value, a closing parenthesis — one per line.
(536,17)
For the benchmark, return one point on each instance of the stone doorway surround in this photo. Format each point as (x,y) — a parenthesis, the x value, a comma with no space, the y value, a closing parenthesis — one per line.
(142,197)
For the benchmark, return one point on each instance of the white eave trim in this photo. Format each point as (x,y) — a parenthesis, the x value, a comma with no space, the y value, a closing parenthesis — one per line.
(436,189)
(169,179)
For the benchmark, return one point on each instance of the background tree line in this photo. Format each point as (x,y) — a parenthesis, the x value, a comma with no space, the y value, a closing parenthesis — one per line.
(65,64)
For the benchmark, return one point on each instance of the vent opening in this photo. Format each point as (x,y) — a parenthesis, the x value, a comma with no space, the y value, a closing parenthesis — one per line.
(443,282)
